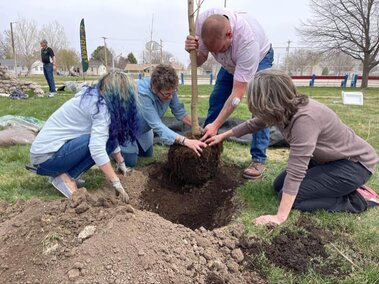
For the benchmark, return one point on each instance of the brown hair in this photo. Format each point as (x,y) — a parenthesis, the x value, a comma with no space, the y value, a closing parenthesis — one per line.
(273,97)
(163,77)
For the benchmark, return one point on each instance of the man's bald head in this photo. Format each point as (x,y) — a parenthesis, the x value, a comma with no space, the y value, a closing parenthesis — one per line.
(214,30)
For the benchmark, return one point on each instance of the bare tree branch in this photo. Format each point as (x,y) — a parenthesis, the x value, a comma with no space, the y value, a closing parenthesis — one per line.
(55,35)
(26,41)
(348,26)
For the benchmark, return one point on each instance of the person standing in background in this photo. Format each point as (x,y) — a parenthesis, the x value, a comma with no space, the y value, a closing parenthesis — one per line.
(49,65)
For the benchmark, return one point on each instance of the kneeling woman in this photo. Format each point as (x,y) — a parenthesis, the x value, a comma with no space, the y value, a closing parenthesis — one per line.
(84,130)
(328,163)
(156,95)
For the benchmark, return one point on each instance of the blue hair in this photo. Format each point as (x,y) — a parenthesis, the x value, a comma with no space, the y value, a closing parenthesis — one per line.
(124,118)
(117,92)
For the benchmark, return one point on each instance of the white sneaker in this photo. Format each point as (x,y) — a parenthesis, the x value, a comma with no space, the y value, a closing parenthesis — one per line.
(51,95)
(62,187)
(79,182)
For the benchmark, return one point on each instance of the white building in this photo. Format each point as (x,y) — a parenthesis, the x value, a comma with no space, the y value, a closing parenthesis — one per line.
(9,63)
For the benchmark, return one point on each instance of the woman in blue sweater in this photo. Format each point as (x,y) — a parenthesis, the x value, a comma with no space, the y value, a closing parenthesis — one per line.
(84,130)
(156,94)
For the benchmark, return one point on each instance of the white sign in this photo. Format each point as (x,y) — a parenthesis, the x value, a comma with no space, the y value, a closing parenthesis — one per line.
(352,98)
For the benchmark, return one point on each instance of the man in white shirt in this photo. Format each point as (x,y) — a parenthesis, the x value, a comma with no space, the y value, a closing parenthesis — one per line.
(242,48)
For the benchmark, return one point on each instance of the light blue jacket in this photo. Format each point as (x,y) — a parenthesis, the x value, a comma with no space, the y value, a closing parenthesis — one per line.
(152,110)
(74,118)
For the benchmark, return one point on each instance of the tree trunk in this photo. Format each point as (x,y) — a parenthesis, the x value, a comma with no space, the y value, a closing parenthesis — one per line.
(366,71)
(195,121)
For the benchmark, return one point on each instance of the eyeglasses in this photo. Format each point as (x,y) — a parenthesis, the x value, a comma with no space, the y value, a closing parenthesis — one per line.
(168,94)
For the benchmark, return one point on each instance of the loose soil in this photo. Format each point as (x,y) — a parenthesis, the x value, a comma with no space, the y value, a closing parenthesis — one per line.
(167,234)
(294,250)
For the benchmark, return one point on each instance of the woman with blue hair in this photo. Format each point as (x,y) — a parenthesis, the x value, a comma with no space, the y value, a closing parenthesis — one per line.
(85,130)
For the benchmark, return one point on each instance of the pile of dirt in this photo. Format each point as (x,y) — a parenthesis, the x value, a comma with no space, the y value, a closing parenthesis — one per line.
(95,238)
(166,234)
(294,250)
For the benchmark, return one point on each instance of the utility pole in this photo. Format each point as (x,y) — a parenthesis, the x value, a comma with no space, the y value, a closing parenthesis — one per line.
(105,54)
(151,43)
(288,53)
(161,58)
(114,59)
(224,3)
(14,53)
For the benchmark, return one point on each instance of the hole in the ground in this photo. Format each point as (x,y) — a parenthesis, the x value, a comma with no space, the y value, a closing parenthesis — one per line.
(211,205)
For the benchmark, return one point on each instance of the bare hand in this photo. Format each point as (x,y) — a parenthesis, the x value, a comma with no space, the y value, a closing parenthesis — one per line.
(214,140)
(196,145)
(268,219)
(191,43)
(209,131)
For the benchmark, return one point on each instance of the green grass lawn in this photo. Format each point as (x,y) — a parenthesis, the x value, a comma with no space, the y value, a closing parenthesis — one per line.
(59,80)
(362,230)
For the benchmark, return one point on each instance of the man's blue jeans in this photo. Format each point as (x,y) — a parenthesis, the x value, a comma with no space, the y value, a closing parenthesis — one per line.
(73,158)
(220,94)
(49,75)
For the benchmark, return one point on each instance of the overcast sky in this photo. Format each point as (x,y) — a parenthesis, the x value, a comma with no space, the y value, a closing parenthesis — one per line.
(127,24)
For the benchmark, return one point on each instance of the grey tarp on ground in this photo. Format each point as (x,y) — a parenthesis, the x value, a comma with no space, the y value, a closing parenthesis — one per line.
(19,129)
(276,137)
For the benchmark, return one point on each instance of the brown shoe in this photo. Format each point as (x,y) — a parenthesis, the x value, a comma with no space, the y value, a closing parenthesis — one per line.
(254,170)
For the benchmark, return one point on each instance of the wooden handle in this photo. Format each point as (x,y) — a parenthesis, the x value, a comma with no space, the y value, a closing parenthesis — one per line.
(193,56)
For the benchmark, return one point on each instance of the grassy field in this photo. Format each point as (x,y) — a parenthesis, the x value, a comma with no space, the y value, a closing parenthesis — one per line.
(362,230)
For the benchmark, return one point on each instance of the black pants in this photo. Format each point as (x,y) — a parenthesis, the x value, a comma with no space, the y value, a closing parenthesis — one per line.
(330,186)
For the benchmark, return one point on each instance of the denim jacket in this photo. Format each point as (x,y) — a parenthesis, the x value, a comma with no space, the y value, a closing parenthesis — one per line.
(152,110)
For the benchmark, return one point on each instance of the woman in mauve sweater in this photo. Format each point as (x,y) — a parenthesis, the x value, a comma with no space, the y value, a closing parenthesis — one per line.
(328,163)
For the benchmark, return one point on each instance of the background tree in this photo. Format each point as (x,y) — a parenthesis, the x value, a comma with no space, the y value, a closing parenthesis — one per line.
(156,57)
(5,47)
(349,26)
(26,41)
(55,35)
(166,56)
(301,61)
(338,62)
(131,58)
(121,62)
(67,58)
(98,54)
(211,65)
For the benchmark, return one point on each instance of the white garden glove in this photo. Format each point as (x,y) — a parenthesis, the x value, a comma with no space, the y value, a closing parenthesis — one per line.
(120,191)
(122,168)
